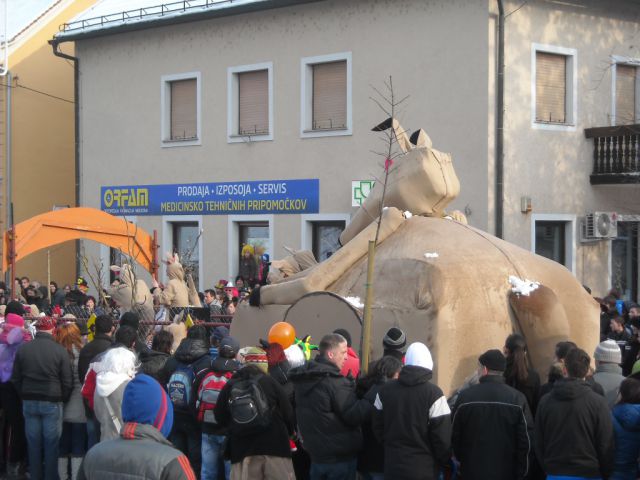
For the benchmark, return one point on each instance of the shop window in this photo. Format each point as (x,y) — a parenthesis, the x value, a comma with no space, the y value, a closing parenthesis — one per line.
(185,238)
(326,238)
(253,243)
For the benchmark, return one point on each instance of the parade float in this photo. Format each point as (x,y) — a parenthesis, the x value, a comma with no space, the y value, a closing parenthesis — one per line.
(454,287)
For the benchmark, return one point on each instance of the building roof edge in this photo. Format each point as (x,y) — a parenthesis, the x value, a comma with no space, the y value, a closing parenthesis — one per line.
(159,21)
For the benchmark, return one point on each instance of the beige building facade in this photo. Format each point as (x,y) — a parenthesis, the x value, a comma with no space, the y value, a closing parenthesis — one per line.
(251,99)
(37,135)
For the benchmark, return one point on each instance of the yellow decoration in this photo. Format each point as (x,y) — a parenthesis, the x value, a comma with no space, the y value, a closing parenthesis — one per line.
(91,322)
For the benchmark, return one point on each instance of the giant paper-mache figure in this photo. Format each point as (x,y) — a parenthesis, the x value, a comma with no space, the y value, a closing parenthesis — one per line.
(176,293)
(132,295)
(456,288)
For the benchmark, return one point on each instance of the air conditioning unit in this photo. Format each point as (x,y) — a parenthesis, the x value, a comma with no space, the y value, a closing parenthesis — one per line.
(601,225)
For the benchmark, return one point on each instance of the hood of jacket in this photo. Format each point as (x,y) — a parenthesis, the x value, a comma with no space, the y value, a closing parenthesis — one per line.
(311,373)
(320,367)
(141,431)
(175,271)
(568,389)
(411,375)
(628,415)
(12,335)
(117,366)
(190,350)
(221,364)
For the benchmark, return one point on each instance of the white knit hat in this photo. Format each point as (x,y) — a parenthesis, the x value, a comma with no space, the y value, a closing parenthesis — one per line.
(419,355)
(608,351)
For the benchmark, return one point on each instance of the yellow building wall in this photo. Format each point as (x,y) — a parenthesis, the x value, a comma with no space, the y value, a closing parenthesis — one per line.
(43,140)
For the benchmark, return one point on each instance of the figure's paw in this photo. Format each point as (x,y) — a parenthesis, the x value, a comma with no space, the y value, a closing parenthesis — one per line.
(458,216)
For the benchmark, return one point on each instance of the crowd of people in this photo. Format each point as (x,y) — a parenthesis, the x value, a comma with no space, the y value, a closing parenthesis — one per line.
(220,300)
(120,401)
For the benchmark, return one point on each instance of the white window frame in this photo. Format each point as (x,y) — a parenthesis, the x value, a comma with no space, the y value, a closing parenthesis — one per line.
(233,97)
(165,110)
(620,60)
(571,82)
(569,234)
(233,238)
(306,96)
(167,239)
(307,221)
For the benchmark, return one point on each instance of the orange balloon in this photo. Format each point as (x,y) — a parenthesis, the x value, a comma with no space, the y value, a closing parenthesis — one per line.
(282,333)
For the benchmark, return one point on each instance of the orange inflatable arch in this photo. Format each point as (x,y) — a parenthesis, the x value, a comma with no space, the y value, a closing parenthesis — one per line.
(60,226)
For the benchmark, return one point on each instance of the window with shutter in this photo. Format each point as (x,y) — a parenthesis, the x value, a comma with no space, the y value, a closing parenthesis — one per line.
(551,87)
(184,109)
(625,94)
(253,102)
(329,96)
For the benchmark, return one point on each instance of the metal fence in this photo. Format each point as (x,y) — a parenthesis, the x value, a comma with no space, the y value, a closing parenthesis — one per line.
(161,316)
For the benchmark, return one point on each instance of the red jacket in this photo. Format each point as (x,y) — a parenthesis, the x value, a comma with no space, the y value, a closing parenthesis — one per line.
(352,363)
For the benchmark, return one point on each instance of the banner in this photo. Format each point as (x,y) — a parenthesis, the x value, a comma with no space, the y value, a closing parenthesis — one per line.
(228,198)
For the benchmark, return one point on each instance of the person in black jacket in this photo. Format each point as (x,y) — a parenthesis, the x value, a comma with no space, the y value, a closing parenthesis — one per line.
(262,453)
(371,458)
(413,420)
(155,359)
(519,373)
(42,374)
(328,412)
(102,341)
(492,426)
(574,432)
(193,352)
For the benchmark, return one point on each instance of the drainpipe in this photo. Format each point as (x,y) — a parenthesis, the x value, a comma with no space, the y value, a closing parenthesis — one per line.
(76,97)
(499,202)
(8,180)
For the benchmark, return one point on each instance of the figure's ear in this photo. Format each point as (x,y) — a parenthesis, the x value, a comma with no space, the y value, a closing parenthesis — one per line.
(419,138)
(400,133)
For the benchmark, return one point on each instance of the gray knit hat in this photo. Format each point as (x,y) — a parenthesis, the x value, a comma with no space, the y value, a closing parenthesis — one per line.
(394,339)
(608,351)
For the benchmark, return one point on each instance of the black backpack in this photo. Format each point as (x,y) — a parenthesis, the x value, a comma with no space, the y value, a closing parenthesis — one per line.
(249,407)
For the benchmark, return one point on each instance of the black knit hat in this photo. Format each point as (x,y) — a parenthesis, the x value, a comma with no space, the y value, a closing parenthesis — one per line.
(345,334)
(493,360)
(394,339)
(130,318)
(14,307)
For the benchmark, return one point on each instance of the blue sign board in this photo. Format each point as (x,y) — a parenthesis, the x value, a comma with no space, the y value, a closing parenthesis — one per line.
(227,198)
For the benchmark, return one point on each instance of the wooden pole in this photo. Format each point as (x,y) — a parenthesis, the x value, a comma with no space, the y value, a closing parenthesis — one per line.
(366,323)
(49,275)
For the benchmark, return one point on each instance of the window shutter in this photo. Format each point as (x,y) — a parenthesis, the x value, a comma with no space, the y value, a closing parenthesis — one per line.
(625,94)
(184,124)
(330,95)
(253,109)
(551,89)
